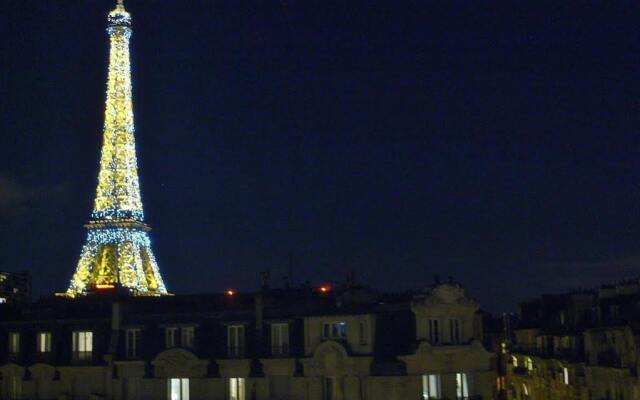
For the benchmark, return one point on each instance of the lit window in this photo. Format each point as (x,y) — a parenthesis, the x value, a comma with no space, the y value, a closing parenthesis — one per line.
(525,390)
(43,342)
(82,345)
(178,389)
(330,388)
(235,341)
(462,386)
(514,361)
(430,387)
(334,330)
(529,364)
(170,336)
(454,331)
(279,339)
(565,375)
(132,342)
(3,300)
(237,389)
(187,336)
(434,334)
(14,342)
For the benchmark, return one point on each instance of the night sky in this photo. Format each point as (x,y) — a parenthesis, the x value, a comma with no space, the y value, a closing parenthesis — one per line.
(496,142)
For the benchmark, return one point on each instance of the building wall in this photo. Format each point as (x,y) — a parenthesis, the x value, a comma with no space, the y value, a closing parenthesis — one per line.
(314,363)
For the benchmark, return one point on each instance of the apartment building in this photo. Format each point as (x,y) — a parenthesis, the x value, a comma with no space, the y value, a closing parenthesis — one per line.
(581,345)
(330,344)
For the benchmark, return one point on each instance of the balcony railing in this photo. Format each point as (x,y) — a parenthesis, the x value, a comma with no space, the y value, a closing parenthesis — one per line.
(82,356)
(280,350)
(235,352)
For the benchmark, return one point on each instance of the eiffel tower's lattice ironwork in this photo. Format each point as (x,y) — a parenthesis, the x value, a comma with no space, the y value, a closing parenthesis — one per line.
(117,252)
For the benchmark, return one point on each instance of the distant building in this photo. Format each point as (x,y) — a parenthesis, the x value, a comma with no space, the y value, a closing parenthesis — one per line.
(331,344)
(15,287)
(581,345)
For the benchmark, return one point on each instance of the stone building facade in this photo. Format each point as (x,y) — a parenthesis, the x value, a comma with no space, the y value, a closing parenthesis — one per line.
(338,344)
(581,346)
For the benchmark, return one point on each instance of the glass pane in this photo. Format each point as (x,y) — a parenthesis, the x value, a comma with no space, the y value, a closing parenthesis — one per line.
(185,389)
(89,341)
(233,389)
(241,394)
(432,386)
(174,389)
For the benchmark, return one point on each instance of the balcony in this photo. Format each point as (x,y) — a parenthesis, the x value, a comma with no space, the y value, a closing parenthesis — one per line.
(236,352)
(82,356)
(280,351)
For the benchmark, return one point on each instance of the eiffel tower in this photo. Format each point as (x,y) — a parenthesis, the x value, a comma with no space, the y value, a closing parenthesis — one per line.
(117,253)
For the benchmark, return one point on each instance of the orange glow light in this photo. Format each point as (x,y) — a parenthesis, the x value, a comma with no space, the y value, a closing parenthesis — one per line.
(230,292)
(105,286)
(325,288)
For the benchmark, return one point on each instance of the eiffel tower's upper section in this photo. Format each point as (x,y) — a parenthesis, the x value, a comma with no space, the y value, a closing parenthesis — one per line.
(118,192)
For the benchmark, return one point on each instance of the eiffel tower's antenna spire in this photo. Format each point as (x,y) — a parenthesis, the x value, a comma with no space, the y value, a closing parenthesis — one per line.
(118,250)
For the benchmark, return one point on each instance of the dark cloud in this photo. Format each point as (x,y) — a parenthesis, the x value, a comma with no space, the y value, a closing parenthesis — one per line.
(16,197)
(588,274)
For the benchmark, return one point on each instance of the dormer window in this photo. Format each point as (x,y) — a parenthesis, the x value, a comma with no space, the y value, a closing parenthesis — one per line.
(171,336)
(43,342)
(235,341)
(82,345)
(280,339)
(14,342)
(132,342)
(186,336)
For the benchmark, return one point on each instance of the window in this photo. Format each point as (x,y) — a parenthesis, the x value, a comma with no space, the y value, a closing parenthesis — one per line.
(279,339)
(363,333)
(525,390)
(15,387)
(434,334)
(178,389)
(187,336)
(462,386)
(43,342)
(132,342)
(82,345)
(3,300)
(334,330)
(501,383)
(170,336)
(514,361)
(235,341)
(565,375)
(237,389)
(330,388)
(14,342)
(430,387)
(529,364)
(454,331)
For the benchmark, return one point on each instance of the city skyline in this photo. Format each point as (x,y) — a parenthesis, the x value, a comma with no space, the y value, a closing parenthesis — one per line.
(496,145)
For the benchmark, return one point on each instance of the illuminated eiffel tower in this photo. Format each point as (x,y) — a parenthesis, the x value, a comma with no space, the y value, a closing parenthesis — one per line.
(117,253)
